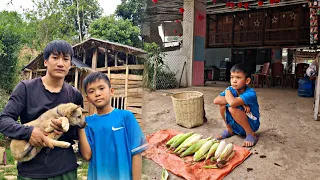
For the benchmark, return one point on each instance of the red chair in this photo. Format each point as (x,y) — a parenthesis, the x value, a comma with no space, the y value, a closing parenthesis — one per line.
(263,76)
(277,73)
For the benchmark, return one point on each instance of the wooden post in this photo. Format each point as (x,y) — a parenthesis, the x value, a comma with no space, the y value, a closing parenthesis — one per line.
(127,58)
(116,59)
(84,57)
(106,57)
(316,106)
(126,88)
(109,76)
(76,74)
(94,59)
(30,74)
(155,75)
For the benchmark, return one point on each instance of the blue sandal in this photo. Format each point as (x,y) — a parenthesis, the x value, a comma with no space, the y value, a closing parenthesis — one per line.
(224,135)
(251,139)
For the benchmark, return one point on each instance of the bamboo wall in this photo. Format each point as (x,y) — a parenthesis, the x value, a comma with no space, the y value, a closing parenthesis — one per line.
(127,89)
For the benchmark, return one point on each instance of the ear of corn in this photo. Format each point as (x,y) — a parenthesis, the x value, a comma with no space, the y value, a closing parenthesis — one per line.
(180,140)
(192,141)
(226,152)
(213,159)
(164,175)
(186,141)
(194,148)
(173,139)
(203,150)
(212,150)
(231,156)
(220,148)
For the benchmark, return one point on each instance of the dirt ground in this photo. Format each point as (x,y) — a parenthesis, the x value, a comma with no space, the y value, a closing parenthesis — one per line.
(289,137)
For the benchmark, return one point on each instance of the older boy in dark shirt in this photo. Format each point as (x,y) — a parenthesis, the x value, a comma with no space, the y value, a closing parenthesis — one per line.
(28,101)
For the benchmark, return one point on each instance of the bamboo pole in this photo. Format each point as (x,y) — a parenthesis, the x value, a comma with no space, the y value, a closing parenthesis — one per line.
(126,87)
(316,106)
(76,78)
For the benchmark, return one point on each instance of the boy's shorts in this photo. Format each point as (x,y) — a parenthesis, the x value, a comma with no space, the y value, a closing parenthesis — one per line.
(237,129)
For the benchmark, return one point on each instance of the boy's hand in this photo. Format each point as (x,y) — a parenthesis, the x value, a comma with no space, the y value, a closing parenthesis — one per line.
(246,108)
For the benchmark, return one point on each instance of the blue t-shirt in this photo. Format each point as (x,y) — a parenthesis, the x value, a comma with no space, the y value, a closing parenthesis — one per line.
(114,138)
(249,98)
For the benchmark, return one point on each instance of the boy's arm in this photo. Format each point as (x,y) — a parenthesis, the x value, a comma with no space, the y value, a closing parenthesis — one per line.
(220,100)
(233,101)
(136,167)
(85,148)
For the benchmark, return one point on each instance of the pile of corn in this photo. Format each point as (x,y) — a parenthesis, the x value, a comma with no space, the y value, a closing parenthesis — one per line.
(187,144)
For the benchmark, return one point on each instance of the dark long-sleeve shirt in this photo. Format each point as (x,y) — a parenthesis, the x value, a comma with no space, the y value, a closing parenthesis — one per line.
(28,101)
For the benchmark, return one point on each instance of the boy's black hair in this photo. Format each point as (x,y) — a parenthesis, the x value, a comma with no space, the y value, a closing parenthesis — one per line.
(93,77)
(241,68)
(58,46)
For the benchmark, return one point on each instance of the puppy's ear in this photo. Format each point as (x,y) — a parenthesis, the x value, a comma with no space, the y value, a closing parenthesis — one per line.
(84,111)
(70,110)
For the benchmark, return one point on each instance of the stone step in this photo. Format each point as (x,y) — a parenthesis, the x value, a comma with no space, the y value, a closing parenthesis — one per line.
(10,177)
(7,166)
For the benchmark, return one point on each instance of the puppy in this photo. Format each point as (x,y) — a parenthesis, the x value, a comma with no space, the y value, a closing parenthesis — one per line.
(71,114)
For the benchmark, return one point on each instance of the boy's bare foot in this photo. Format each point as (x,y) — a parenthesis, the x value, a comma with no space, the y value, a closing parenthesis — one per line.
(250,140)
(224,135)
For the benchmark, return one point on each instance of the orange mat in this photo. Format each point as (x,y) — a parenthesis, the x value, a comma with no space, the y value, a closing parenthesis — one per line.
(182,166)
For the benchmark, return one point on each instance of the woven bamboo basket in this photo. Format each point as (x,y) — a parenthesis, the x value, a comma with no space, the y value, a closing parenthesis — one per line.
(188,108)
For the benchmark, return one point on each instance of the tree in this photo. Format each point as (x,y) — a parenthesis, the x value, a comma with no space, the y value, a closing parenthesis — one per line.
(61,19)
(116,30)
(12,30)
(131,10)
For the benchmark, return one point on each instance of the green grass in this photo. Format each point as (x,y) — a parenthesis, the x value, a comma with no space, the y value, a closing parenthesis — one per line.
(84,166)
(3,99)
(10,158)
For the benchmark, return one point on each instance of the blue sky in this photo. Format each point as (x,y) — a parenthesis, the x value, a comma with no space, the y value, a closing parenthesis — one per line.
(109,6)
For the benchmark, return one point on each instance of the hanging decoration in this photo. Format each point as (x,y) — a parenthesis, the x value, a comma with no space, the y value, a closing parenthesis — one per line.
(228,4)
(274,19)
(180,35)
(313,22)
(271,1)
(240,4)
(232,4)
(200,17)
(181,10)
(277,1)
(178,21)
(246,5)
(260,3)
(154,1)
(214,1)
(175,31)
(241,22)
(257,23)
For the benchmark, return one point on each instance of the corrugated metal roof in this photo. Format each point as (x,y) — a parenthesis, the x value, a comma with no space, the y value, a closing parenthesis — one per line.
(78,63)
(113,46)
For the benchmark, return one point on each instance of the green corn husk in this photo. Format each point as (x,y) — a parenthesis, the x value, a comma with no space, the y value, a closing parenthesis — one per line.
(188,142)
(212,150)
(194,148)
(180,140)
(164,175)
(173,139)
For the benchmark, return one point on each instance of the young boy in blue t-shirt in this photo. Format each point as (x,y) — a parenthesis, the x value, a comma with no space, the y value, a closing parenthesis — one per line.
(112,140)
(239,107)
